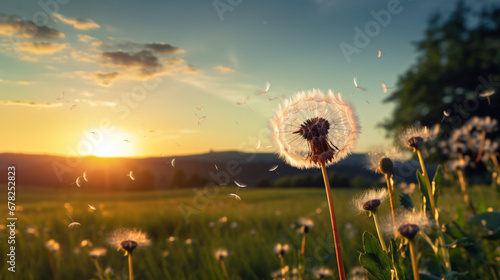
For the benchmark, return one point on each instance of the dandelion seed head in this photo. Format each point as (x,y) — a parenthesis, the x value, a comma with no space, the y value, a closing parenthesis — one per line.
(413,138)
(280,273)
(128,239)
(379,157)
(407,224)
(370,200)
(281,249)
(323,272)
(221,254)
(53,246)
(313,127)
(98,252)
(305,224)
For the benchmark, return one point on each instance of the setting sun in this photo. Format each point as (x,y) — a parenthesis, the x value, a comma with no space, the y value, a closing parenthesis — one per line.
(115,143)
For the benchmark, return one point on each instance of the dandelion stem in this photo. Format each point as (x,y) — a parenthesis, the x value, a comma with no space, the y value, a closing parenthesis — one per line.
(380,237)
(130,267)
(52,266)
(391,198)
(282,264)
(435,214)
(480,152)
(414,264)
(224,269)
(99,269)
(303,251)
(463,188)
(336,237)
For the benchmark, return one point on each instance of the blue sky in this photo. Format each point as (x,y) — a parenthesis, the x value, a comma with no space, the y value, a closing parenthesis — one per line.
(218,58)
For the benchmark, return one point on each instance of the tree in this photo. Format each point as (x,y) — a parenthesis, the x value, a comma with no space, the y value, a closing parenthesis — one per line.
(456,63)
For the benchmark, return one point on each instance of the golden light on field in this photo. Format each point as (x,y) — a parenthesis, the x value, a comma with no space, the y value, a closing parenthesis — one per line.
(115,143)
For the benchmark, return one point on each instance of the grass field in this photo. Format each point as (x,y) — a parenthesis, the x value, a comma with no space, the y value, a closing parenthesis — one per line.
(248,229)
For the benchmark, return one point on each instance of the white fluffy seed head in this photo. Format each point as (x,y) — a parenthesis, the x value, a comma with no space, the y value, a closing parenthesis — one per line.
(406,220)
(342,133)
(413,138)
(221,254)
(366,198)
(128,239)
(395,154)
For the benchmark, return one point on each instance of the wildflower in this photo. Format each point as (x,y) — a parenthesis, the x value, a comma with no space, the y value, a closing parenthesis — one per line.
(314,128)
(408,224)
(281,249)
(128,240)
(53,246)
(305,224)
(323,272)
(221,254)
(413,138)
(370,200)
(98,252)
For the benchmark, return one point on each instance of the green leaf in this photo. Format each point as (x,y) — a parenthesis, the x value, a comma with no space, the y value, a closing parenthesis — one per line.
(396,260)
(491,220)
(423,190)
(437,182)
(374,259)
(406,202)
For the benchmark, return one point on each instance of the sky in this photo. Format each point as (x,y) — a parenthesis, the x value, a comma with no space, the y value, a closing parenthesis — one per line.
(150,78)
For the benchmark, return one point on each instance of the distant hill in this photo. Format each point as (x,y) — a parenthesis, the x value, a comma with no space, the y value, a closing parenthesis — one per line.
(157,172)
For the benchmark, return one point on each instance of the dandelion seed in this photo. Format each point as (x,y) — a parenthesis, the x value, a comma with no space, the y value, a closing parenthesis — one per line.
(240,185)
(445,114)
(125,140)
(73,106)
(355,80)
(131,175)
(273,168)
(258,144)
(172,162)
(200,120)
(379,53)
(200,108)
(78,181)
(92,132)
(91,207)
(216,168)
(487,94)
(235,196)
(61,97)
(268,85)
(384,87)
(85,176)
(74,225)
(245,103)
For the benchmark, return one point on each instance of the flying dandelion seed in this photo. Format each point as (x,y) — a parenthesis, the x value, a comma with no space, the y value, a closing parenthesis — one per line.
(258,144)
(216,168)
(273,168)
(131,175)
(85,176)
(73,106)
(78,181)
(487,94)
(245,103)
(384,87)
(379,53)
(61,97)
(172,162)
(91,207)
(200,108)
(93,132)
(73,224)
(200,120)
(240,185)
(268,85)
(355,80)
(125,140)
(235,196)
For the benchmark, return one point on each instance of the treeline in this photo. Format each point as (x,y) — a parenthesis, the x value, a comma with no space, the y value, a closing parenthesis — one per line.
(337,180)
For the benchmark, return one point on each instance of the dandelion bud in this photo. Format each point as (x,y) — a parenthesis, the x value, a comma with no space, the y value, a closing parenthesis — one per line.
(415,142)
(408,230)
(129,245)
(371,205)
(386,166)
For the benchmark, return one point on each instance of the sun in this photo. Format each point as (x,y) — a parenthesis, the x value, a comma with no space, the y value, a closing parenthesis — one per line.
(115,143)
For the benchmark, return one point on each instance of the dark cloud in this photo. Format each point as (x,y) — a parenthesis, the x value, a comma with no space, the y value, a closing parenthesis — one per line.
(106,78)
(14,26)
(157,48)
(144,60)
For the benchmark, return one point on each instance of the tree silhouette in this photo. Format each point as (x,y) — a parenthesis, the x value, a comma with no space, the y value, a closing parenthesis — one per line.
(459,59)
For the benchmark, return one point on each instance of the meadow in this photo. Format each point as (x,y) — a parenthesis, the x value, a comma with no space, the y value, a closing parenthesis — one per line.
(248,229)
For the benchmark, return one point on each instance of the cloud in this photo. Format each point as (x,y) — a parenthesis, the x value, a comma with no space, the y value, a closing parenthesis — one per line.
(157,48)
(40,47)
(29,103)
(14,26)
(78,23)
(85,56)
(223,69)
(162,48)
(144,60)
(23,83)
(106,79)
(85,38)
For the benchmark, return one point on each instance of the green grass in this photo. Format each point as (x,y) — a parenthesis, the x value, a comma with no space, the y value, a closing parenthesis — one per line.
(263,217)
